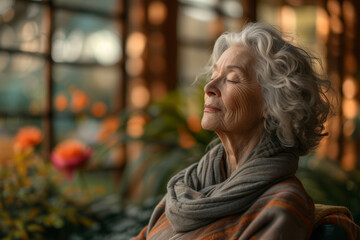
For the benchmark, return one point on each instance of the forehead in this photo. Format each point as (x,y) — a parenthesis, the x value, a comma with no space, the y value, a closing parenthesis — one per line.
(236,55)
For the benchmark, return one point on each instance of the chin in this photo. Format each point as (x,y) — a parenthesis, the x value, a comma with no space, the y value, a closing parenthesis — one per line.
(209,122)
(208,126)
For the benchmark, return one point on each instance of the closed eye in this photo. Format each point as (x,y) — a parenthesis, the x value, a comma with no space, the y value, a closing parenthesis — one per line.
(232,81)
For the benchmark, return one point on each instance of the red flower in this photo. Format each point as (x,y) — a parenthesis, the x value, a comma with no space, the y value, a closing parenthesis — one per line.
(70,155)
(27,137)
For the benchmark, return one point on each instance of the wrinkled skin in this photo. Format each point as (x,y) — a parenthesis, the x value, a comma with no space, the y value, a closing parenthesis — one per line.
(233,104)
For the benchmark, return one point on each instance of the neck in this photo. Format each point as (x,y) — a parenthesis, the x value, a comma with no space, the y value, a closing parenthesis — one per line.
(239,146)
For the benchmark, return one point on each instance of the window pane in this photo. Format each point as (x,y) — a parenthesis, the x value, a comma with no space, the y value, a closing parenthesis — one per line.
(232,8)
(94,132)
(267,12)
(106,6)
(9,126)
(192,61)
(86,38)
(200,3)
(194,23)
(23,26)
(233,24)
(86,90)
(22,88)
(82,128)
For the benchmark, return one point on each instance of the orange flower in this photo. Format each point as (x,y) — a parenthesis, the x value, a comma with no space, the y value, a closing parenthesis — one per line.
(194,123)
(185,139)
(79,100)
(61,102)
(108,127)
(98,109)
(27,137)
(70,155)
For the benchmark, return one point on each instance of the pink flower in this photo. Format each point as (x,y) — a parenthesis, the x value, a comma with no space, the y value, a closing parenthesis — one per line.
(70,155)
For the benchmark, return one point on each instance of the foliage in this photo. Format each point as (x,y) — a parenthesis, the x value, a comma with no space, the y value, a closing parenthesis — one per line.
(172,138)
(162,155)
(31,205)
(117,221)
(327,183)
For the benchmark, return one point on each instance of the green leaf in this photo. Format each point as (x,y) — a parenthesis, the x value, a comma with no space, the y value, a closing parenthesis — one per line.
(35,228)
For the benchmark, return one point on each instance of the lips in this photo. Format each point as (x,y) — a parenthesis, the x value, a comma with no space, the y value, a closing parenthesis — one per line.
(210,108)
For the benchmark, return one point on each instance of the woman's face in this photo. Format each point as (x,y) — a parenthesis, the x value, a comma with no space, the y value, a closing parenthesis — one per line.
(233,99)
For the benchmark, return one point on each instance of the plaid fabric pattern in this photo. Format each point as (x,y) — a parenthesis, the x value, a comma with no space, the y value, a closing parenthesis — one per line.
(284,211)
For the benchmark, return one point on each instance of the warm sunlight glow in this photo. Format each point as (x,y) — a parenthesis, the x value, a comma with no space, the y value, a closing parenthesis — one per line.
(157,12)
(350,87)
(322,24)
(287,19)
(135,127)
(135,44)
(336,24)
(348,161)
(140,96)
(134,66)
(350,108)
(106,47)
(349,128)
(334,7)
(349,14)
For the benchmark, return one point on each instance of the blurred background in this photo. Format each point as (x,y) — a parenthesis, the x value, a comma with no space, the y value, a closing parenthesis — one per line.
(116,75)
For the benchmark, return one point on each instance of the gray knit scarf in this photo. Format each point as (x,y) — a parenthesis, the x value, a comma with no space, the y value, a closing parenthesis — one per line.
(202,193)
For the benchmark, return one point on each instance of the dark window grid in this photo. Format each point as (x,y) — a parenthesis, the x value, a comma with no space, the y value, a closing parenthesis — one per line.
(48,115)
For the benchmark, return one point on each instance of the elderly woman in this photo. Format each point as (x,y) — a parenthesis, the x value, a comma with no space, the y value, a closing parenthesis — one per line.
(267,105)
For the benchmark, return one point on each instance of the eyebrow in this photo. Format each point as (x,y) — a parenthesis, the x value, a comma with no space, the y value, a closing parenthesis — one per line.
(237,67)
(230,67)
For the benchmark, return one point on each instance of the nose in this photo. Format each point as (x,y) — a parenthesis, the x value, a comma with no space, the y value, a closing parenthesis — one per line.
(211,89)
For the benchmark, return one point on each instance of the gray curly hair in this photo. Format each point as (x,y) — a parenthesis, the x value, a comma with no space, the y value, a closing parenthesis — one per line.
(295,104)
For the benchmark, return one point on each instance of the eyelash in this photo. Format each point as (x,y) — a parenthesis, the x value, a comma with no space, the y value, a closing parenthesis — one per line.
(232,81)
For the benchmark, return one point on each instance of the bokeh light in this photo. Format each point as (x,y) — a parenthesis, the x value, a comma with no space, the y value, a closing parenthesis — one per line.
(79,101)
(232,8)
(350,108)
(135,126)
(194,123)
(157,12)
(134,66)
(350,87)
(140,96)
(61,102)
(185,140)
(135,44)
(98,109)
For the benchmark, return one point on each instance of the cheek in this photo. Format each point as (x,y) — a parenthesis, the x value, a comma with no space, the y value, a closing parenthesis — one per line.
(243,102)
